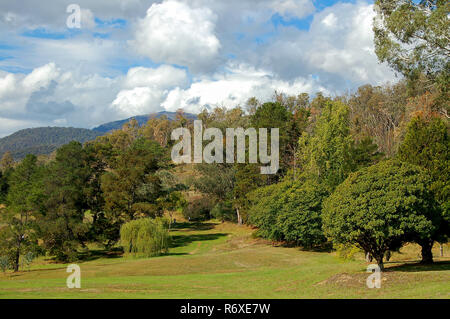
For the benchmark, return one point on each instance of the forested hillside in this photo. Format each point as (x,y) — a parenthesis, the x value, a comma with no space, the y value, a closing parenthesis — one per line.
(141,120)
(42,140)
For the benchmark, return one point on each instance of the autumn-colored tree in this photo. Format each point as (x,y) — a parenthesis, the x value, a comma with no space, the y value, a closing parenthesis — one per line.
(7,161)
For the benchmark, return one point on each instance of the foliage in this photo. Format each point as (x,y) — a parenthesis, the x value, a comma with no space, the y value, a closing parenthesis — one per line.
(289,211)
(299,219)
(380,207)
(198,209)
(61,226)
(378,112)
(18,235)
(346,251)
(265,205)
(427,144)
(4,263)
(248,178)
(3,186)
(145,237)
(413,36)
(326,152)
(276,115)
(42,140)
(216,180)
(142,120)
(131,189)
(7,161)
(223,211)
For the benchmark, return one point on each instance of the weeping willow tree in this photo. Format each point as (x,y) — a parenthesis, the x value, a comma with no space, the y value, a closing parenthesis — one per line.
(145,237)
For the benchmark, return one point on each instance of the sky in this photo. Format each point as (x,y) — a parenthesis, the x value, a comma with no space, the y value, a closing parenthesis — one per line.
(140,56)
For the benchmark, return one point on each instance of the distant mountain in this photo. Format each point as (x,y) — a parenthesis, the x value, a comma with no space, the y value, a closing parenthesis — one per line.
(43,140)
(141,119)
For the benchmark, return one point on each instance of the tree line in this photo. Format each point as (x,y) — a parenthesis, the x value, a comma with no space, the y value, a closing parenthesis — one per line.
(368,169)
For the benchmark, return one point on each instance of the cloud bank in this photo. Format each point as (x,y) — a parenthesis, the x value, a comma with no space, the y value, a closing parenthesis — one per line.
(138,57)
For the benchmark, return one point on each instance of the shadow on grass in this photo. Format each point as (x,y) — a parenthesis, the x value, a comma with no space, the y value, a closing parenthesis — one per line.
(191,226)
(417,267)
(184,240)
(325,248)
(100,253)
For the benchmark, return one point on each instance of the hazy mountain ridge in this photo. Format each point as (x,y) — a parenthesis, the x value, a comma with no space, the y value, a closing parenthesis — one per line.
(141,119)
(45,140)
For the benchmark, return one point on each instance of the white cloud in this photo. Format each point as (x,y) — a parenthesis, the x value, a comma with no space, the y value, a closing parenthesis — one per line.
(85,79)
(164,76)
(341,43)
(235,87)
(172,32)
(293,8)
(87,18)
(41,77)
(145,89)
(50,96)
(138,101)
(330,20)
(338,48)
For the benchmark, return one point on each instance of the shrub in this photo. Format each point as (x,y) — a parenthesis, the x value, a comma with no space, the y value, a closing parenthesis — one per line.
(299,219)
(198,209)
(345,251)
(145,237)
(265,206)
(224,211)
(4,263)
(290,212)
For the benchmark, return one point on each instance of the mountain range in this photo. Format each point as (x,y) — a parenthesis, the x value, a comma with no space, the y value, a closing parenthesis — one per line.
(45,140)
(141,119)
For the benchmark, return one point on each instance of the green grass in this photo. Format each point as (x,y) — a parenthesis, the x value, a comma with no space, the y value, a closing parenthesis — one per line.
(214,260)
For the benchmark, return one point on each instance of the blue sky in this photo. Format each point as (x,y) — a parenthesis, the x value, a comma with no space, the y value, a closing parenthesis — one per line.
(142,56)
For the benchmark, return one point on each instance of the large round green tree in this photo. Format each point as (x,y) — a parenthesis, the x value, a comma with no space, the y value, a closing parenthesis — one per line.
(427,144)
(380,207)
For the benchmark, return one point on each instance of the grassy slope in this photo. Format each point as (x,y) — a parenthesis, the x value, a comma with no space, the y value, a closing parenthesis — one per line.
(223,261)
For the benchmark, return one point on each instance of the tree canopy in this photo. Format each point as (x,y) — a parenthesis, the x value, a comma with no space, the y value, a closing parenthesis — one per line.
(380,207)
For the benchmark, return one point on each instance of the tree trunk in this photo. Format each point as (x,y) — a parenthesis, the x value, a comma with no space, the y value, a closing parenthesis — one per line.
(17,260)
(441,250)
(369,257)
(380,262)
(239,218)
(427,255)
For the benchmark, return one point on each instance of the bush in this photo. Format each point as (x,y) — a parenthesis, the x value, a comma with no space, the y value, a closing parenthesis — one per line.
(345,251)
(224,211)
(198,209)
(264,208)
(145,237)
(4,263)
(299,219)
(290,212)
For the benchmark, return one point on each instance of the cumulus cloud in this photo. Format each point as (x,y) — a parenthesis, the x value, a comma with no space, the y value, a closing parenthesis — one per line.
(164,76)
(234,87)
(172,32)
(50,96)
(171,54)
(293,8)
(87,19)
(145,89)
(338,48)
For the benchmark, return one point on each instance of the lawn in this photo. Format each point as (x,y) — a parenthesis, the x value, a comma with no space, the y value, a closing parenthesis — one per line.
(223,260)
